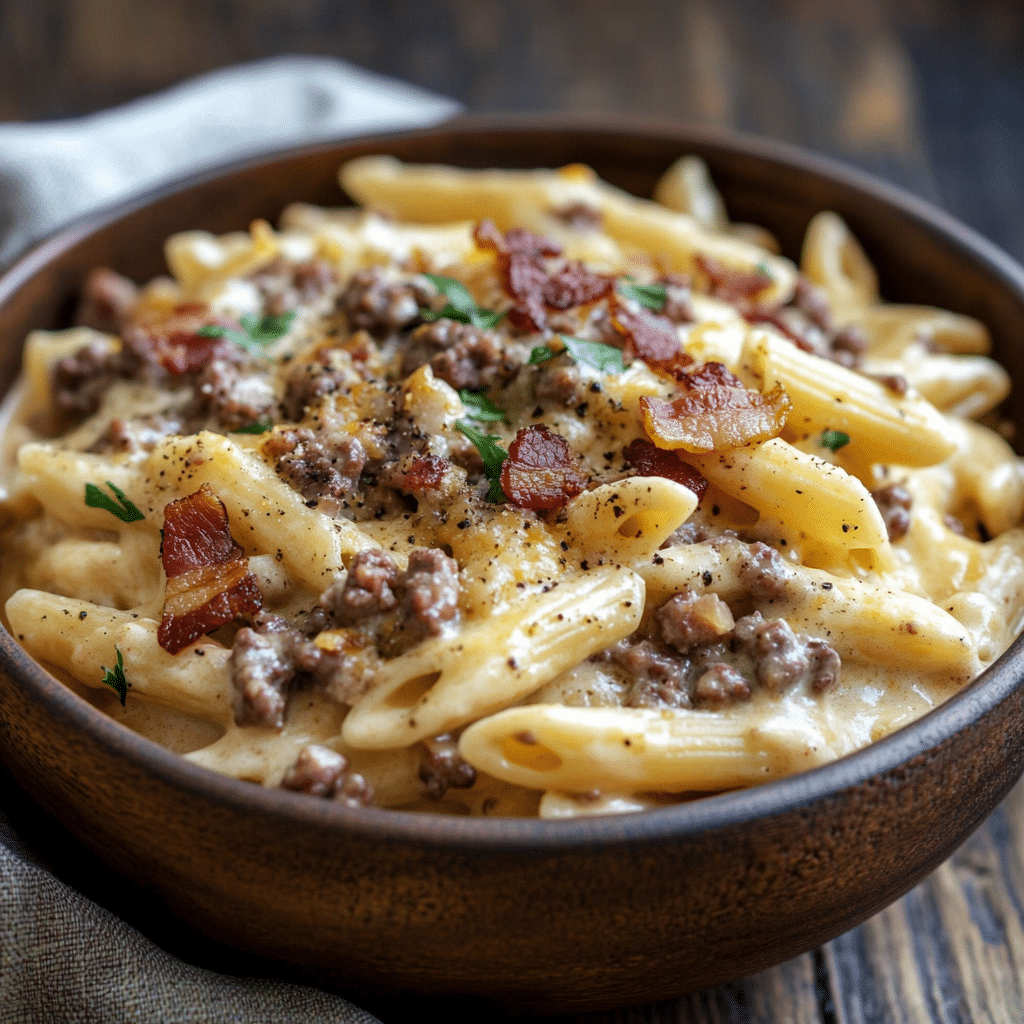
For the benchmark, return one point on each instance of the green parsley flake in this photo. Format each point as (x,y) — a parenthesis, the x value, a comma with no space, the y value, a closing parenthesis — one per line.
(650,295)
(122,507)
(481,408)
(460,305)
(258,427)
(494,457)
(116,679)
(256,331)
(606,358)
(833,440)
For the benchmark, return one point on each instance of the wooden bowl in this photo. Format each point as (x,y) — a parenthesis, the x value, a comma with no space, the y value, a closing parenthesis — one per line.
(541,915)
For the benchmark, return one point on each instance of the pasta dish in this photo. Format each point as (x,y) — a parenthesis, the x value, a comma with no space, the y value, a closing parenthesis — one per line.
(509,493)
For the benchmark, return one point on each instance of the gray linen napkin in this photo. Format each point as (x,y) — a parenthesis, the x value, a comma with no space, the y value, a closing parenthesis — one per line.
(63,957)
(53,172)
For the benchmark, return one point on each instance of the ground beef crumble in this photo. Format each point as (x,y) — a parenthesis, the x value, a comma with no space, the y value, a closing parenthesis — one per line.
(660,676)
(321,771)
(424,597)
(233,395)
(374,302)
(324,468)
(310,381)
(367,590)
(894,503)
(462,355)
(442,768)
(106,302)
(80,380)
(284,286)
(269,660)
(698,656)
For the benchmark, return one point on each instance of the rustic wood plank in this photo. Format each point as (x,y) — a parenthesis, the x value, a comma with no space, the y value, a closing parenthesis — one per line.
(952,950)
(787,994)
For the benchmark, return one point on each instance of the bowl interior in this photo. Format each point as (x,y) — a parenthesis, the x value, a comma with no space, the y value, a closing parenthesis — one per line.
(921,255)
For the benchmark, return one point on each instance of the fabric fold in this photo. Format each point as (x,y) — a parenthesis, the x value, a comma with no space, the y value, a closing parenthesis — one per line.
(52,173)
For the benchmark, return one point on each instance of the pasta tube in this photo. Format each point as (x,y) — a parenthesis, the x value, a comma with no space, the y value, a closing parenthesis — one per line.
(628,520)
(533,198)
(548,746)
(196,681)
(444,683)
(862,621)
(881,427)
(807,493)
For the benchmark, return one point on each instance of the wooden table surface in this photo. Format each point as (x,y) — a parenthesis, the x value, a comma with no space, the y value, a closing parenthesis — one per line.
(926,93)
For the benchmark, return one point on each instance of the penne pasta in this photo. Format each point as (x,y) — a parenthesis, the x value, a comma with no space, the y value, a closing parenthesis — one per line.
(445,683)
(510,493)
(810,495)
(880,426)
(634,749)
(197,684)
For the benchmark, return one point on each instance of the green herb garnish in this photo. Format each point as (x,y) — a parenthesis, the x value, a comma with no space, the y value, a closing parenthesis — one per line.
(258,427)
(122,507)
(116,679)
(833,440)
(762,269)
(606,358)
(493,455)
(481,408)
(650,295)
(256,332)
(460,305)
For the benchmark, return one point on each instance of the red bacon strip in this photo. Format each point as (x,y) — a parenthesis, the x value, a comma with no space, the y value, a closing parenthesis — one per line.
(731,284)
(650,461)
(176,344)
(541,471)
(649,337)
(425,473)
(536,288)
(715,411)
(208,578)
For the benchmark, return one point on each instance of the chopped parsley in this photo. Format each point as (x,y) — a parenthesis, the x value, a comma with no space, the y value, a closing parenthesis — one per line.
(763,271)
(481,408)
(650,295)
(257,427)
(115,678)
(122,507)
(833,440)
(256,332)
(606,358)
(460,305)
(492,453)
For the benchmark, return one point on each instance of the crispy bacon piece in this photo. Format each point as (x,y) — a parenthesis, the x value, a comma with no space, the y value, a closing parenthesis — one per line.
(731,284)
(715,411)
(541,471)
(176,345)
(649,337)
(425,473)
(650,461)
(536,288)
(208,578)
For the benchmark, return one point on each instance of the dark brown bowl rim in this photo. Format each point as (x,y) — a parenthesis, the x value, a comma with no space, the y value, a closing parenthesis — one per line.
(879,759)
